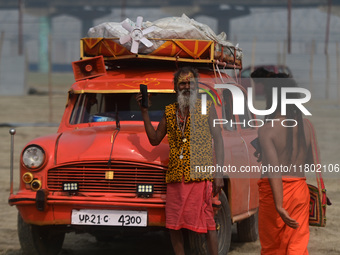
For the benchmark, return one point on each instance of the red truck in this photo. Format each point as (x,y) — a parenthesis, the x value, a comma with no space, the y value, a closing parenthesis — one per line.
(99,174)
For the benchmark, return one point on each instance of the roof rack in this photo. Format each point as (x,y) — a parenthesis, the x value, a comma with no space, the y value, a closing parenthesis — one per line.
(181,50)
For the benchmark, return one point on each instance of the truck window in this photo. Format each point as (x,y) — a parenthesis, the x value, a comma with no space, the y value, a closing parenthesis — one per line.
(103,107)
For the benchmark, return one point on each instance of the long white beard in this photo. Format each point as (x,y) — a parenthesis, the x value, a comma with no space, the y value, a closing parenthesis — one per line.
(185,101)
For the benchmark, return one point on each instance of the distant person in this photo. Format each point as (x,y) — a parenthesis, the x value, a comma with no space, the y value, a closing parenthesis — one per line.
(189,196)
(284,196)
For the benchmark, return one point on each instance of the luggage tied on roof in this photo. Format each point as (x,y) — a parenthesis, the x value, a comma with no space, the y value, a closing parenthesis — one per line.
(165,37)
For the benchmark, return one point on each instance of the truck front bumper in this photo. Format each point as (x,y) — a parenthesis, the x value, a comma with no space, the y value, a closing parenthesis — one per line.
(41,208)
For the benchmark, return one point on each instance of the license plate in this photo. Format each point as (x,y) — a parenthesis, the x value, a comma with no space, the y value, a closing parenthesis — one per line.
(109,218)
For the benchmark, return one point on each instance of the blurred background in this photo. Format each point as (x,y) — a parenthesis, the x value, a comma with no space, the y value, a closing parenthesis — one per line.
(42,36)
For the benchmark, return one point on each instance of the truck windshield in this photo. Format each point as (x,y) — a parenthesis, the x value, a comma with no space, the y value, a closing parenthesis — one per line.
(102,107)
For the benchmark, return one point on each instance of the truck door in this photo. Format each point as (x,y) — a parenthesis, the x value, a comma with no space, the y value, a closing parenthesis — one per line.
(236,156)
(248,132)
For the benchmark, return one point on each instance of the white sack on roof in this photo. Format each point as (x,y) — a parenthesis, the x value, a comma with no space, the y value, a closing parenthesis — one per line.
(166,28)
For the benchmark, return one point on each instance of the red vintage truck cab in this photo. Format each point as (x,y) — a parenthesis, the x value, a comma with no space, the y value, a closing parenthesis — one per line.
(99,174)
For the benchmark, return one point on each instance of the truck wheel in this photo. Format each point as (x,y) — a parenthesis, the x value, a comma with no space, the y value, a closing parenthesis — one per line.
(39,240)
(198,243)
(247,229)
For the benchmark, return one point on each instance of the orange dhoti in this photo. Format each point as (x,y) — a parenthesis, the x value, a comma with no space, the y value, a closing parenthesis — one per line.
(275,236)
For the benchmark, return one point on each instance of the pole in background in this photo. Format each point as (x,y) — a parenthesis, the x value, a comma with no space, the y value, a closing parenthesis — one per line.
(328,73)
(50,116)
(279,62)
(328,24)
(20,33)
(2,38)
(338,69)
(123,9)
(252,66)
(289,26)
(12,133)
(311,81)
(284,53)
(44,31)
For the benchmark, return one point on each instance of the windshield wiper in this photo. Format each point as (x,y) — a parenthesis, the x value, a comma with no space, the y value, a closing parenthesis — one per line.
(117,118)
(116,133)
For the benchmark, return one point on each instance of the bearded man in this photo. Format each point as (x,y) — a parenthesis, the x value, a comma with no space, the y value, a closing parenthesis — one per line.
(190,135)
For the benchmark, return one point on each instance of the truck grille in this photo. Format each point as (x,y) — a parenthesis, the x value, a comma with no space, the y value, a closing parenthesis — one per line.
(91,177)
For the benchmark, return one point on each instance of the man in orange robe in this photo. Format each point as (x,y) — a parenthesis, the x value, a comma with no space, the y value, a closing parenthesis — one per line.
(283,191)
(275,235)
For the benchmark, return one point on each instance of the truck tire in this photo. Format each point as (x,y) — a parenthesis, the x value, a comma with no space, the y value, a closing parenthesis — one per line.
(198,243)
(39,240)
(247,229)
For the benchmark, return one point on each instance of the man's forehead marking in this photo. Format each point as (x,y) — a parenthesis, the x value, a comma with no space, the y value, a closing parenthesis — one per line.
(185,77)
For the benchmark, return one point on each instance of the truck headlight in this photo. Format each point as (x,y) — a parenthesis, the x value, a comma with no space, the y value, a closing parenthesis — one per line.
(33,157)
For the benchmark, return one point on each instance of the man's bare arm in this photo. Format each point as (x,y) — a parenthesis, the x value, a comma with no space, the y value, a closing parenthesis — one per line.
(155,136)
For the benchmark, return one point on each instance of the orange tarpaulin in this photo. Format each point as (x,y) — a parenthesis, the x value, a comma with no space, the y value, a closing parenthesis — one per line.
(275,236)
(184,48)
(169,49)
(105,47)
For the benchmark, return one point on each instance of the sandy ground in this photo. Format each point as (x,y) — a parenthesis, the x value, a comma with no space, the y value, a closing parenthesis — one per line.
(36,108)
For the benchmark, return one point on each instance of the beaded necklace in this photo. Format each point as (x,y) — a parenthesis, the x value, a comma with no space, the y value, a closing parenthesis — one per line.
(181,123)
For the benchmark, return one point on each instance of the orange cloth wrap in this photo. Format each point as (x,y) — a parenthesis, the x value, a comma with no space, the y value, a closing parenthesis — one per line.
(275,236)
